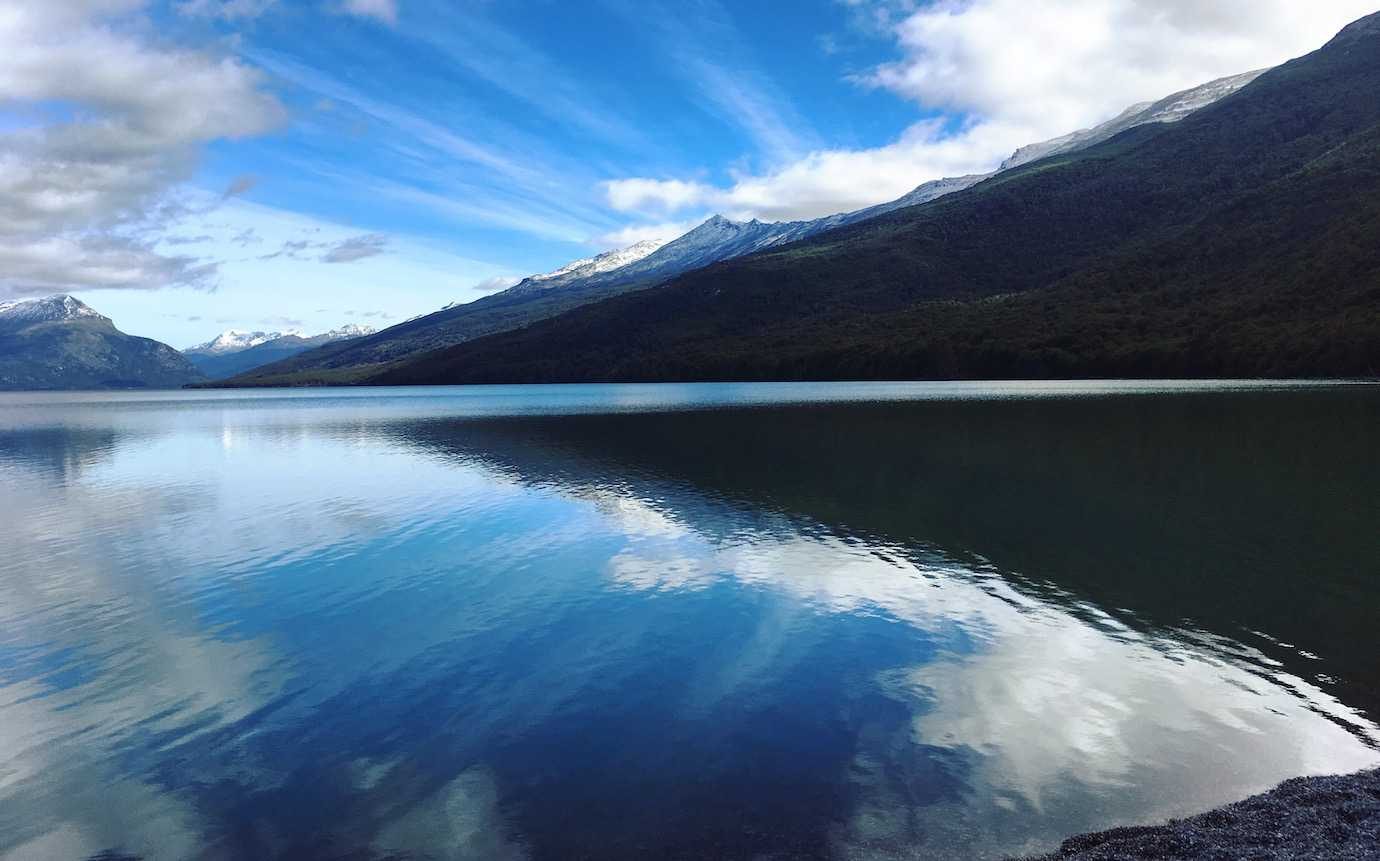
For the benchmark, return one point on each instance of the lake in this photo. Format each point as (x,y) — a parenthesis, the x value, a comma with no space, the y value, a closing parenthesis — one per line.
(684,621)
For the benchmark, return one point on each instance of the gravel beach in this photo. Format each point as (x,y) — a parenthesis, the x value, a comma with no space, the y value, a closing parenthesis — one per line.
(1305,819)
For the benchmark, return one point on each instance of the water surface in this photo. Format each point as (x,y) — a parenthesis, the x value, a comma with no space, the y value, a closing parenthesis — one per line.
(730,621)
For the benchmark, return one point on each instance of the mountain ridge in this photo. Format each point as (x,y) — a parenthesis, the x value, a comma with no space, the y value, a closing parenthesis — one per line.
(713,241)
(234,352)
(1237,241)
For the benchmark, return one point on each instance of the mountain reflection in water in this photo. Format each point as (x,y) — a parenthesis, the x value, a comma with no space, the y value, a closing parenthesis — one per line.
(678,621)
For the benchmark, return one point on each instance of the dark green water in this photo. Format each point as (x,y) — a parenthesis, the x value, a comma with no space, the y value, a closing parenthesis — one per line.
(762,621)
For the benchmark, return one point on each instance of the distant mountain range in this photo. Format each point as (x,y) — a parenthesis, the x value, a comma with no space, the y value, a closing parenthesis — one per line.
(59,342)
(234,352)
(650,264)
(1237,239)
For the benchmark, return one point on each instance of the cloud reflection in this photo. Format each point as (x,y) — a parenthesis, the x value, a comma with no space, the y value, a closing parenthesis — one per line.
(1054,720)
(459,822)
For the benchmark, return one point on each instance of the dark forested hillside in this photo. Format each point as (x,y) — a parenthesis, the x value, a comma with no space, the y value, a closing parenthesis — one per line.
(1242,241)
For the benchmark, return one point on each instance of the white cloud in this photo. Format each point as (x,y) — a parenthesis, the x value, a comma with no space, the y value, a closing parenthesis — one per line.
(382,10)
(668,194)
(56,263)
(1057,66)
(356,248)
(495,284)
(662,232)
(80,184)
(1016,72)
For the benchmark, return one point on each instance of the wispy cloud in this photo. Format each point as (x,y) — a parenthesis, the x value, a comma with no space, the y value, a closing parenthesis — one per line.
(356,248)
(535,217)
(295,249)
(428,132)
(489,175)
(225,10)
(381,10)
(502,60)
(708,52)
(346,250)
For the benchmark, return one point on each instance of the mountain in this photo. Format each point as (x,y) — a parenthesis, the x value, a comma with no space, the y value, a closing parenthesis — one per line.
(1238,241)
(234,352)
(648,265)
(59,342)
(720,239)
(1170,109)
(233,341)
(590,267)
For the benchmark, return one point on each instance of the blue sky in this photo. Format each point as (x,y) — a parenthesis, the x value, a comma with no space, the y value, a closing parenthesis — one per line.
(516,113)
(187,166)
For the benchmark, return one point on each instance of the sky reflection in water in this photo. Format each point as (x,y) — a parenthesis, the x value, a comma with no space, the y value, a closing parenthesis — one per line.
(635,622)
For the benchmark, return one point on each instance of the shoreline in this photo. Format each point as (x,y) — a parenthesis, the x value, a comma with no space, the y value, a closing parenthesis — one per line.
(1334,818)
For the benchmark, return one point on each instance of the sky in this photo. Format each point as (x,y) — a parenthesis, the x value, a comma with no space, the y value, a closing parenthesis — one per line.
(192,166)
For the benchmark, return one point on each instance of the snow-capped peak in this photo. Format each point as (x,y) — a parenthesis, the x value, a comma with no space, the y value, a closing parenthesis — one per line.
(233,340)
(606,262)
(47,309)
(589,267)
(350,330)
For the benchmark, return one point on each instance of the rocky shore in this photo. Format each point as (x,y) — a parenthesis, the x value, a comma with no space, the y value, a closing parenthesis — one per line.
(1305,819)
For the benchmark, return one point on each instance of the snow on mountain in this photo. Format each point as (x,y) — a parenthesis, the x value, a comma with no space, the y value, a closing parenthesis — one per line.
(716,239)
(46,309)
(924,193)
(233,340)
(589,267)
(352,330)
(1170,109)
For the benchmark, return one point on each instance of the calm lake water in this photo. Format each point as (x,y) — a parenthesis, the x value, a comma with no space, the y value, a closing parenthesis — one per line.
(703,621)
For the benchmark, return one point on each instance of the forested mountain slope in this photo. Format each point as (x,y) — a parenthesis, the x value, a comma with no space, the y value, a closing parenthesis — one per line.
(1243,240)
(647,265)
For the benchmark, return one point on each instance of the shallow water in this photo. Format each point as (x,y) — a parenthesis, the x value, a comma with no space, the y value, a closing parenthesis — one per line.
(731,621)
